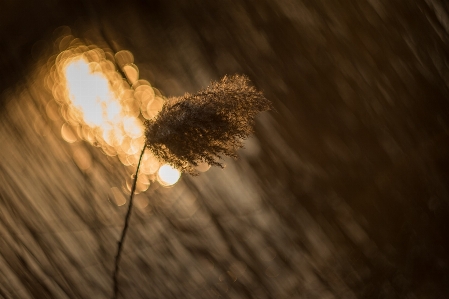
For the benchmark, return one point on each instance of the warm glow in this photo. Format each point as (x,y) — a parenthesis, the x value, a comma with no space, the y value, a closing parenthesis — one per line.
(202,167)
(118,196)
(101,107)
(67,133)
(167,175)
(89,93)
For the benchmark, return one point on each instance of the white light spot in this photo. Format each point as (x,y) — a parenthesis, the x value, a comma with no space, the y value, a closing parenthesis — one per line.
(167,175)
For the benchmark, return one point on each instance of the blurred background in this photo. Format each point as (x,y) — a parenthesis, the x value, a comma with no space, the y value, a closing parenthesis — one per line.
(342,192)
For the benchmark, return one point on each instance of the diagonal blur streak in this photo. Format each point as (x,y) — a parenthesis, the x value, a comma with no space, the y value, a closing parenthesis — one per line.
(342,192)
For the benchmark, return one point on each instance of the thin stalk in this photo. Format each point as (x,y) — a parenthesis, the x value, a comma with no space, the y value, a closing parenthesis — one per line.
(125,228)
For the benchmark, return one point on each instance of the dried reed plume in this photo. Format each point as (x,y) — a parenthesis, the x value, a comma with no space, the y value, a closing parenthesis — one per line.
(199,128)
(204,126)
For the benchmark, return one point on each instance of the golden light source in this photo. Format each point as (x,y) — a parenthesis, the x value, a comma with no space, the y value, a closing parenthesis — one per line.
(89,93)
(168,175)
(102,107)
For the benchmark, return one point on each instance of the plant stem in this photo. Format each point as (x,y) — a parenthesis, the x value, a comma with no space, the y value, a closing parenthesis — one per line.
(125,228)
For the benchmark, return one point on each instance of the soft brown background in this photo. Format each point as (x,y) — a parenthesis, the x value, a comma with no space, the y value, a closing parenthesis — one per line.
(342,193)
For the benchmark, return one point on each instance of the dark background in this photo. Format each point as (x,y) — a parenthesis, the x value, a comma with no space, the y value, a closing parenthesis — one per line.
(342,193)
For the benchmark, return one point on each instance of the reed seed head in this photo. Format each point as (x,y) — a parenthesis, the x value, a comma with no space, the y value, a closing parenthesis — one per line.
(207,125)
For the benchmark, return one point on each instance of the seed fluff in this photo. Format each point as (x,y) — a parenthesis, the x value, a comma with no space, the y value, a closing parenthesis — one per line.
(207,125)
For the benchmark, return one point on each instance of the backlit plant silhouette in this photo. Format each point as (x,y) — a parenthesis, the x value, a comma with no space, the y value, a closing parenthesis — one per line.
(183,132)
(198,128)
(204,126)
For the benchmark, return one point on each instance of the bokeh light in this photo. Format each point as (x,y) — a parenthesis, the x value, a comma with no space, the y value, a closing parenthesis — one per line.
(167,175)
(103,107)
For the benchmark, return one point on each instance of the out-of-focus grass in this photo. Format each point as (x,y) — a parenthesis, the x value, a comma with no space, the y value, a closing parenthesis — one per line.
(344,193)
